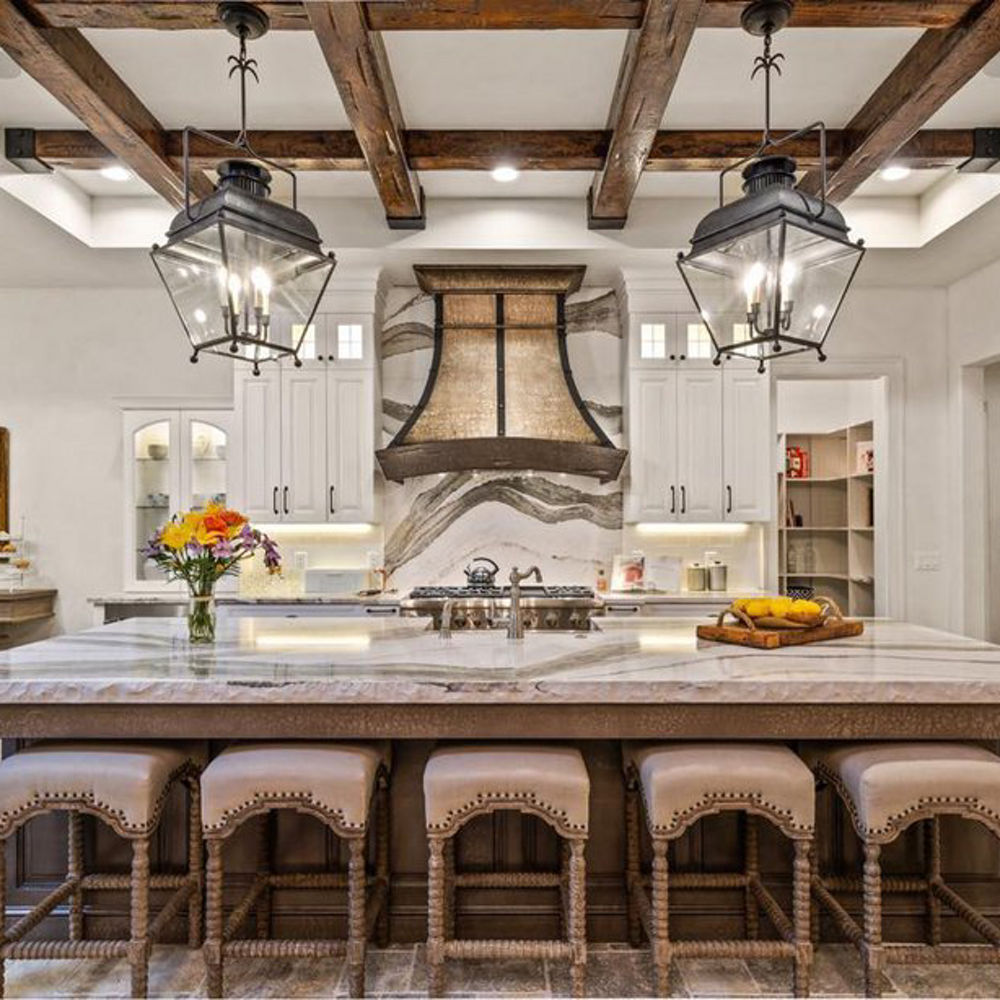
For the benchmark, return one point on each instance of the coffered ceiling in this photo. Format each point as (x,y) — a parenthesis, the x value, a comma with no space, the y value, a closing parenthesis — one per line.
(564,90)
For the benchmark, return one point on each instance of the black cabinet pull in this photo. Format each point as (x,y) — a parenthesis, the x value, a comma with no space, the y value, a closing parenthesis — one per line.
(274,500)
(729,499)
(284,500)
(332,509)
(673,500)
(684,500)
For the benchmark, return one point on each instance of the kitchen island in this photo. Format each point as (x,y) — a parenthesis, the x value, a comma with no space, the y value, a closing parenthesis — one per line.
(349,678)
(394,678)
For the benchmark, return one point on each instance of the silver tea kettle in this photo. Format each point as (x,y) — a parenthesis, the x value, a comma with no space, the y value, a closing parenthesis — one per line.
(481,575)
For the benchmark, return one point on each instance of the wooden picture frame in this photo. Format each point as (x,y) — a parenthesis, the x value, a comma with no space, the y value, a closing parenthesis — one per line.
(4,479)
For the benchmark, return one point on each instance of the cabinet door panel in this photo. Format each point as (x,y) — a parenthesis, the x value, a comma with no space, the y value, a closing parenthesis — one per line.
(351,446)
(303,446)
(653,443)
(257,471)
(699,445)
(748,446)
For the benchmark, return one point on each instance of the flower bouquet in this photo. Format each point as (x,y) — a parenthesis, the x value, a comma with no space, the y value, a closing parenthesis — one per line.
(202,546)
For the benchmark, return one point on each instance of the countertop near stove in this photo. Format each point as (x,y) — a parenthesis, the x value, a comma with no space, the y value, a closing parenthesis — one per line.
(380,662)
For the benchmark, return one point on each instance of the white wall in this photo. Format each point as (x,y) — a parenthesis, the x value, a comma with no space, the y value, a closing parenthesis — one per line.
(884,328)
(806,406)
(973,342)
(67,353)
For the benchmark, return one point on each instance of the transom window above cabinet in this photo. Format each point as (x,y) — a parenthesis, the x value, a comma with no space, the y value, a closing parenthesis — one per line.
(659,339)
(335,338)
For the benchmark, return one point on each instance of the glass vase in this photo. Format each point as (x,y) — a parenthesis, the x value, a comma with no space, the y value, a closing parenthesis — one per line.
(201,617)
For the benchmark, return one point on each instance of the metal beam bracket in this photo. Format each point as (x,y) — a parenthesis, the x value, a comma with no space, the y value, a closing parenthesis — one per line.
(985,152)
(19,149)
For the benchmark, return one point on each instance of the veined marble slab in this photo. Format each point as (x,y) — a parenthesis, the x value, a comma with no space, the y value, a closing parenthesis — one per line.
(397,661)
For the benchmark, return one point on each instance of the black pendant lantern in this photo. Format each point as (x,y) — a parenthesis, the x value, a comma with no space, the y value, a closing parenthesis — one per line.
(769,271)
(245,273)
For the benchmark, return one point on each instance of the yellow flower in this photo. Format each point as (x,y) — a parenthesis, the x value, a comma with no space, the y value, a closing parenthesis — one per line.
(176,535)
(203,536)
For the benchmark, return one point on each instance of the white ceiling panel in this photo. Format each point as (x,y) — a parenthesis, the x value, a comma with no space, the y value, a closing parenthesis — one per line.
(94,183)
(181,76)
(977,104)
(531,184)
(505,79)
(827,74)
(916,183)
(28,104)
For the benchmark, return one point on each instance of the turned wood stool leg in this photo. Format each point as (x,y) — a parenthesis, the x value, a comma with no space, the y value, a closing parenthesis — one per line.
(357,880)
(932,833)
(632,870)
(801,913)
(661,918)
(751,868)
(212,949)
(435,917)
(3,911)
(450,889)
(578,915)
(815,915)
(195,863)
(74,868)
(139,937)
(262,909)
(383,830)
(872,942)
(564,857)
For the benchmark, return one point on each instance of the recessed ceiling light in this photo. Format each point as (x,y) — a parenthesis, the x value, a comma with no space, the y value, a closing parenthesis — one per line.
(505,174)
(895,173)
(116,173)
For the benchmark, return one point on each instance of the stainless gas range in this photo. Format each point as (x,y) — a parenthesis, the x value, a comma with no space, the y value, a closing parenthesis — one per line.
(482,607)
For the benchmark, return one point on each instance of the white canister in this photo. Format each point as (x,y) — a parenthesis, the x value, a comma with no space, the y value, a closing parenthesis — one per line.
(697,577)
(717,576)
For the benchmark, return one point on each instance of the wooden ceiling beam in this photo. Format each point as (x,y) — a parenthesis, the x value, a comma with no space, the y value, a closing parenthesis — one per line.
(649,69)
(444,15)
(469,149)
(74,73)
(360,69)
(931,72)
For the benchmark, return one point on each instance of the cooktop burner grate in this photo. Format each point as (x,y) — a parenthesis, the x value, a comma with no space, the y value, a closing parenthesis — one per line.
(566,592)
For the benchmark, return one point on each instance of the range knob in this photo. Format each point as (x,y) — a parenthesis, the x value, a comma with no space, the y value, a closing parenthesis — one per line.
(531,620)
(552,619)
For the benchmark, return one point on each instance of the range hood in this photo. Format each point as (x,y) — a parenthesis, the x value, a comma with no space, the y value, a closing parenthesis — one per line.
(500,393)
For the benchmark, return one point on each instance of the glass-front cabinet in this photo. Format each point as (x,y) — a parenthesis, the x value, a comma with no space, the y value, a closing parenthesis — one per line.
(174,460)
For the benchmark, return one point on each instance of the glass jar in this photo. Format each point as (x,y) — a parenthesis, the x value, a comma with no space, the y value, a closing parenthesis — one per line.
(201,615)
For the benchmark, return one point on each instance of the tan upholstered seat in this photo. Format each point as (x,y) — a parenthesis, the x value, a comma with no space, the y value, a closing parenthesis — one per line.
(887,786)
(127,782)
(551,781)
(683,781)
(332,780)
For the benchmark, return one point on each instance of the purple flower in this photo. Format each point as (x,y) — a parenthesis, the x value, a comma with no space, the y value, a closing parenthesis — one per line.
(223,549)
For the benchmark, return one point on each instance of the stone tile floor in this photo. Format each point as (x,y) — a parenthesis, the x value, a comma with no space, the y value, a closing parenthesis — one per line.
(614,971)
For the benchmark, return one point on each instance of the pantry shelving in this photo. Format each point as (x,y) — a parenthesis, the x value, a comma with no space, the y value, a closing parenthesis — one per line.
(826,534)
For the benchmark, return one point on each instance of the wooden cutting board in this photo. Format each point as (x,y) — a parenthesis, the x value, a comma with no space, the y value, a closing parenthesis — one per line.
(772,638)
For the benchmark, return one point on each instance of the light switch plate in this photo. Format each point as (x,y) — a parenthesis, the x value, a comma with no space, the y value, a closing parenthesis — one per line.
(927,562)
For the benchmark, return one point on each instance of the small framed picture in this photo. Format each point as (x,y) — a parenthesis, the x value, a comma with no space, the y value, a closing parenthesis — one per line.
(628,573)
(864,456)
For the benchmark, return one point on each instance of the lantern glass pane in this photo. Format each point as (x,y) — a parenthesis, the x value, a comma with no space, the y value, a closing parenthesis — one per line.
(818,271)
(225,280)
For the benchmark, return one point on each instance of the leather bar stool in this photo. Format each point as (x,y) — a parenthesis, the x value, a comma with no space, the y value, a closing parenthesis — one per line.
(462,782)
(887,787)
(677,784)
(125,785)
(335,783)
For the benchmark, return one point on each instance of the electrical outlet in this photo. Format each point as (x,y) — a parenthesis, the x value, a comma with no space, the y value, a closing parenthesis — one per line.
(927,562)
(300,561)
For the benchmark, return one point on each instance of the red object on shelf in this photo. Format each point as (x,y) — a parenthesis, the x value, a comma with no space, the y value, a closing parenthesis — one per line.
(796,463)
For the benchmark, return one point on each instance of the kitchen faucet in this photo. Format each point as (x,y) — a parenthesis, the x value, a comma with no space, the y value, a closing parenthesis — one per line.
(515,624)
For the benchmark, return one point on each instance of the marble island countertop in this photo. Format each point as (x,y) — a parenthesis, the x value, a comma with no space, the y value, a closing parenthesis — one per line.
(383,662)
(156,598)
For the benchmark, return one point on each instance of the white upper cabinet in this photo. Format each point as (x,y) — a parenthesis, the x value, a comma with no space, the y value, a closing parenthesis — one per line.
(748,458)
(257,469)
(699,445)
(303,446)
(653,456)
(350,445)
(698,434)
(307,435)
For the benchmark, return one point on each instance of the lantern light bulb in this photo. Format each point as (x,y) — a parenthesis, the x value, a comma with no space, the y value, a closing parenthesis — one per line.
(200,316)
